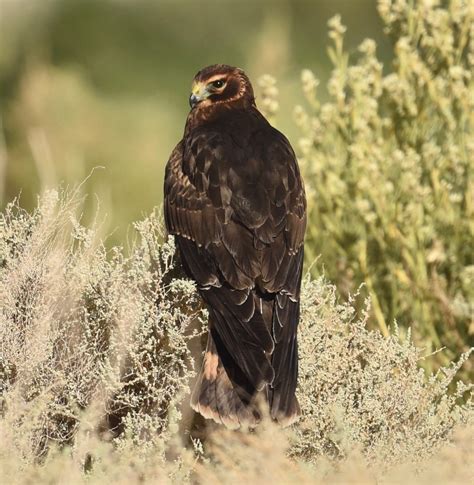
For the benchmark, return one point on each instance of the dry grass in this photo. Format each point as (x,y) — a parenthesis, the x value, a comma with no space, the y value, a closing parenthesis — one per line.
(84,329)
(95,365)
(97,346)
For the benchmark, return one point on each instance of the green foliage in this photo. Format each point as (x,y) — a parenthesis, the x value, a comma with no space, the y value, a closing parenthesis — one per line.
(388,164)
(96,344)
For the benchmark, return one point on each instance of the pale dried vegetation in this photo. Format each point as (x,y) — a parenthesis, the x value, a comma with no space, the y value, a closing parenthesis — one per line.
(96,364)
(97,346)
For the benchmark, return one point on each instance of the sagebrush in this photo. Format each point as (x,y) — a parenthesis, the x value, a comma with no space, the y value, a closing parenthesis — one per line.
(98,345)
(96,361)
(388,161)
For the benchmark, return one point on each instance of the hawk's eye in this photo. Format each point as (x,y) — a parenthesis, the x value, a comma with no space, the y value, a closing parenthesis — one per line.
(218,84)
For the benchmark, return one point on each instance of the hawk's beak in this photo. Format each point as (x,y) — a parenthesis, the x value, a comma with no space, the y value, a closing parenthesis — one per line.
(193,100)
(198,93)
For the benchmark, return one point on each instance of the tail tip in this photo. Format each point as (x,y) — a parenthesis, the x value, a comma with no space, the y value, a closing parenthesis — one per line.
(242,415)
(286,415)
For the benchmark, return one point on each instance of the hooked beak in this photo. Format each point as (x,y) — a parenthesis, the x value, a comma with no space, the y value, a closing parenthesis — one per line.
(198,94)
(193,100)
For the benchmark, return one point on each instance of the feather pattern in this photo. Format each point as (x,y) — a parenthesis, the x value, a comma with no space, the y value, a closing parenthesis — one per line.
(235,201)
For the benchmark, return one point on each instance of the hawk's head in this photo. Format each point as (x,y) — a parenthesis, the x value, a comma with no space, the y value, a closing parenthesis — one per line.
(220,84)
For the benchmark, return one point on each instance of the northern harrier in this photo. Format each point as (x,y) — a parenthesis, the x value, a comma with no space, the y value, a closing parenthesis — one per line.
(235,201)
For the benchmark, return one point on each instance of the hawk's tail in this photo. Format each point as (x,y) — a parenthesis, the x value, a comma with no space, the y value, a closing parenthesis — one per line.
(216,397)
(232,401)
(284,406)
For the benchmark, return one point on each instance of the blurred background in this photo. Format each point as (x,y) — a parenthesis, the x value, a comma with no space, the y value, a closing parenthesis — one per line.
(105,83)
(96,91)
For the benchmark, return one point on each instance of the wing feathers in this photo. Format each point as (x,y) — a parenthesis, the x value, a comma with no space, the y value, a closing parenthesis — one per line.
(235,202)
(283,403)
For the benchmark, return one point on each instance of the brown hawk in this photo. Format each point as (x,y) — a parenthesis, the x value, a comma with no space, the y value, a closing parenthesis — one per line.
(235,202)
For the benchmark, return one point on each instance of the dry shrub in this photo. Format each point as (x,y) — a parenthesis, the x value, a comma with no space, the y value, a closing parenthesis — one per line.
(95,361)
(361,390)
(95,358)
(81,327)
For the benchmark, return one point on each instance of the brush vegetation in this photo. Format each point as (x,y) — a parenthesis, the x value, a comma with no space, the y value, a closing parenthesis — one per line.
(389,165)
(96,363)
(98,344)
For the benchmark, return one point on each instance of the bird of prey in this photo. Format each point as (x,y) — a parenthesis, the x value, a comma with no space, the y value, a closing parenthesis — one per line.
(235,202)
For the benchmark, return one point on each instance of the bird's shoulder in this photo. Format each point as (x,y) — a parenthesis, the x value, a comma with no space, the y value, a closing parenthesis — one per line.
(241,140)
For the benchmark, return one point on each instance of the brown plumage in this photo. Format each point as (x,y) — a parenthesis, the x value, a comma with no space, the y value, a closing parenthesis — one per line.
(234,200)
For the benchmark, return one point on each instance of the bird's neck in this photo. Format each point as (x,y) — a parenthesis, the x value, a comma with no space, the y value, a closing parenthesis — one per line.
(213,112)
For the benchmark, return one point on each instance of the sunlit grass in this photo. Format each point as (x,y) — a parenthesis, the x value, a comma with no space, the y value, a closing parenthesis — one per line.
(98,341)
(96,361)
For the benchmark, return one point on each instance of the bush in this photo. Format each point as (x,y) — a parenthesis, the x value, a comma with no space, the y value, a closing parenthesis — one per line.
(85,330)
(95,365)
(96,345)
(388,162)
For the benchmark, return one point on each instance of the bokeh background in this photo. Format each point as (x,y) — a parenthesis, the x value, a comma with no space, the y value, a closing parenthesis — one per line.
(96,92)
(105,83)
